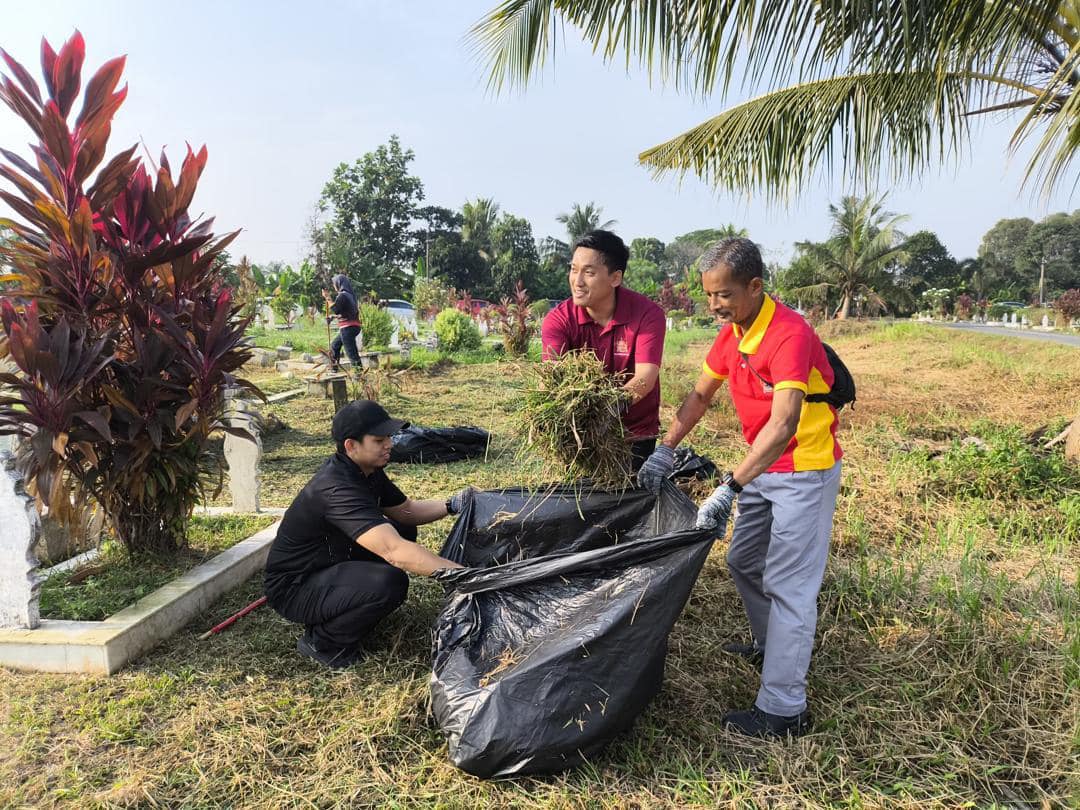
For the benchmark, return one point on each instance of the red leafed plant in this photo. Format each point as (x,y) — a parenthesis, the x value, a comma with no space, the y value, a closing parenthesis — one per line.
(514,322)
(118,332)
(675,298)
(1068,305)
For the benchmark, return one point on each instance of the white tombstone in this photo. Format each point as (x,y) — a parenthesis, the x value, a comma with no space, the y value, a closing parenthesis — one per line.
(19,527)
(1012,319)
(1045,321)
(242,457)
(1024,321)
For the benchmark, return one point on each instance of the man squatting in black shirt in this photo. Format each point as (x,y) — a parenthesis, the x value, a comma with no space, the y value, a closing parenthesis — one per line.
(338,564)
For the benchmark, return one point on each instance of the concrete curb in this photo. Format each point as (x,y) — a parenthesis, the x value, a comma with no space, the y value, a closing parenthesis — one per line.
(285,395)
(105,647)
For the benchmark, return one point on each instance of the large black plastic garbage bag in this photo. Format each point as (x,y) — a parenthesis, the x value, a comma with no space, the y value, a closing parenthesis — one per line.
(544,657)
(688,464)
(420,445)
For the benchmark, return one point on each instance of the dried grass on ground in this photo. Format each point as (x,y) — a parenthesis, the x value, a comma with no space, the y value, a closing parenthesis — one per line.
(946,669)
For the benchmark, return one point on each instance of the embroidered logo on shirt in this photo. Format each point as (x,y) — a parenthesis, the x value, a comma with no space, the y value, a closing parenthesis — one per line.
(621,347)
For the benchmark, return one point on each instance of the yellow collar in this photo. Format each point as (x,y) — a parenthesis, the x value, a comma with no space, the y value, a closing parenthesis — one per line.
(751,341)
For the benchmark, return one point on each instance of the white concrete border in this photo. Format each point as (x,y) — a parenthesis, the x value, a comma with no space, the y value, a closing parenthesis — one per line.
(105,647)
(284,396)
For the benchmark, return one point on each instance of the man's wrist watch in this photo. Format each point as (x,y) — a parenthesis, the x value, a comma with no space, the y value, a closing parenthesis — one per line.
(449,510)
(729,481)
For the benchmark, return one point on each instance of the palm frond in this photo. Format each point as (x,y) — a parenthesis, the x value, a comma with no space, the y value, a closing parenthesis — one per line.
(702,44)
(814,292)
(1057,107)
(863,123)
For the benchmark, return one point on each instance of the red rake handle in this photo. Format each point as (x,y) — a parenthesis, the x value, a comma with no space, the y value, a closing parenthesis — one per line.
(217,628)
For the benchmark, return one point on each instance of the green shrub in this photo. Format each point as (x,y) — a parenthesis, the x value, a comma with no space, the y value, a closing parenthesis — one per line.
(284,305)
(378,326)
(456,330)
(430,296)
(538,309)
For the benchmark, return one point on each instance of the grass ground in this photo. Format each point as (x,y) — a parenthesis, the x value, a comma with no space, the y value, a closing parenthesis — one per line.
(945,675)
(116,581)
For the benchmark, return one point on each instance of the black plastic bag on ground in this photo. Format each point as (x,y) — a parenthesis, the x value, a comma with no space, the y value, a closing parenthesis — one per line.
(688,464)
(543,658)
(420,445)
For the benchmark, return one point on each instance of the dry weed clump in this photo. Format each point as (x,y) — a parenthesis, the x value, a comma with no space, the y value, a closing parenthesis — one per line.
(572,417)
(845,328)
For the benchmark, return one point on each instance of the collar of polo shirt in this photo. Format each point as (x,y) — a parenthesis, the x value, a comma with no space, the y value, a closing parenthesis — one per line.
(620,316)
(750,342)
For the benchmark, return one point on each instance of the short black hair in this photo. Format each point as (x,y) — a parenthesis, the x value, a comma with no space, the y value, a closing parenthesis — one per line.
(740,255)
(615,252)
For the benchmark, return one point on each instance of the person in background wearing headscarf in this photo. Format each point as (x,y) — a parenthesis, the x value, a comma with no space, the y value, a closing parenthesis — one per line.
(347,308)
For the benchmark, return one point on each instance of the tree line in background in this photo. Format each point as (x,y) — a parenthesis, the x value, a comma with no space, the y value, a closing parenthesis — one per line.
(371,225)
(869,266)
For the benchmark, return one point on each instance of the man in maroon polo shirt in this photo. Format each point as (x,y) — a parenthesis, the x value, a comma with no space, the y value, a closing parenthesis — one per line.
(623,328)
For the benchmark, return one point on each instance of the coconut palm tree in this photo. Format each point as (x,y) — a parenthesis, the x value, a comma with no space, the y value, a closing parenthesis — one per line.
(871,86)
(583,218)
(478,220)
(855,260)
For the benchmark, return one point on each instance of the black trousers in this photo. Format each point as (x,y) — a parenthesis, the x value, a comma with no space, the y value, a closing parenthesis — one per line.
(346,338)
(640,451)
(340,605)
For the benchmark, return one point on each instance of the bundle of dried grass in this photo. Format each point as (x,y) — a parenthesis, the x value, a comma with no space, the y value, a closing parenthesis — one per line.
(571,417)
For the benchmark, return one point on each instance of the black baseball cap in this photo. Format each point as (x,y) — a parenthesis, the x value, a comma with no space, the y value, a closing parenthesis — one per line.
(363,417)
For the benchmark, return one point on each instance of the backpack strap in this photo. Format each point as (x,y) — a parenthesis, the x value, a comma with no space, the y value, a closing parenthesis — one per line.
(768,386)
(764,383)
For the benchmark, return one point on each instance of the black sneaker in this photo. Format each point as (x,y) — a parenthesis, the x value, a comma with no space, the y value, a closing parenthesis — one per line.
(335,659)
(756,723)
(751,652)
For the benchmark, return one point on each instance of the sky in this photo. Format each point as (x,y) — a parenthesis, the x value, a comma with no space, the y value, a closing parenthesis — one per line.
(281,93)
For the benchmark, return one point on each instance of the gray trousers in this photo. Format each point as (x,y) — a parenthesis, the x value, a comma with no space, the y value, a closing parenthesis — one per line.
(777,559)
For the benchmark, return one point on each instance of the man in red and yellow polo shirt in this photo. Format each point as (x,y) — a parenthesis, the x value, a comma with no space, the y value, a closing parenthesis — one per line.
(786,484)
(623,328)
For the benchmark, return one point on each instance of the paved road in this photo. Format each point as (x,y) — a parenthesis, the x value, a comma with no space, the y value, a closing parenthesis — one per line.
(1053,337)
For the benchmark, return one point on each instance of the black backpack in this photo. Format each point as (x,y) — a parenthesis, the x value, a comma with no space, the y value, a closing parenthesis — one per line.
(843,388)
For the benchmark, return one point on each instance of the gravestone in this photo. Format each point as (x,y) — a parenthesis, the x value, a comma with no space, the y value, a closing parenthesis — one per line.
(58,542)
(327,386)
(242,455)
(340,391)
(19,529)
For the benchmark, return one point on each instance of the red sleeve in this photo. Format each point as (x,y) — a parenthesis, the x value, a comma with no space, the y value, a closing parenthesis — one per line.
(715,364)
(554,335)
(649,344)
(789,366)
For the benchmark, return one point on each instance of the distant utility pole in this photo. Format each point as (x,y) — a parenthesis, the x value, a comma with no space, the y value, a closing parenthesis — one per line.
(1042,279)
